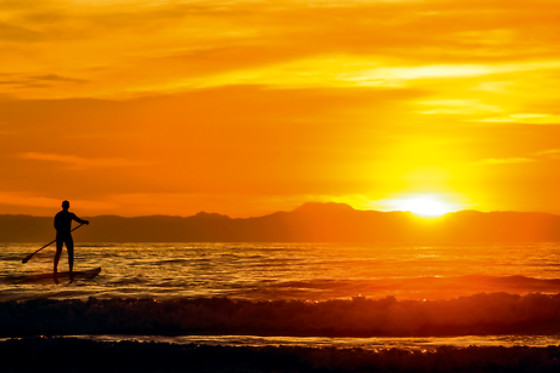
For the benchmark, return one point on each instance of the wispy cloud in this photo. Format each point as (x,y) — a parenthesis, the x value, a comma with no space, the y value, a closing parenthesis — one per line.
(457,107)
(537,156)
(26,199)
(17,34)
(525,118)
(288,43)
(502,161)
(29,199)
(21,81)
(82,162)
(548,152)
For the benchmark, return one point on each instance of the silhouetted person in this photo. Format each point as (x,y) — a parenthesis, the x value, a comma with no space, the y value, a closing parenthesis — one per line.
(63,226)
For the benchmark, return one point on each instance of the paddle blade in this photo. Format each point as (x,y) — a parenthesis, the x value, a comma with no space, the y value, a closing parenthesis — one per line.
(26,259)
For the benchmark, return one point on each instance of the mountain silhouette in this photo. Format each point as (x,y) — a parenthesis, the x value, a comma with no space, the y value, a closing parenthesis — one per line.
(311,222)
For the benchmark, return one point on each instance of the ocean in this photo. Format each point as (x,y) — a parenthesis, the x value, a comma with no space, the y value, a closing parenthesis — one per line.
(290,298)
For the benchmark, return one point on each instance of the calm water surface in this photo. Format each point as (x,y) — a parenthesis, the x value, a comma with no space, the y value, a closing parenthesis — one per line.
(265,271)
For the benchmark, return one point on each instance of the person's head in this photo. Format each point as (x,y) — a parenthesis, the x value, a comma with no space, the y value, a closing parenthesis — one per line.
(65,205)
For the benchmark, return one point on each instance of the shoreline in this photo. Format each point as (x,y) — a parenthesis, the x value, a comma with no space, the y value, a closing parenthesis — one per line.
(368,343)
(73,354)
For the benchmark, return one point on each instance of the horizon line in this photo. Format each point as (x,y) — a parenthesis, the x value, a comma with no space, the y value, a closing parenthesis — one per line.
(426,217)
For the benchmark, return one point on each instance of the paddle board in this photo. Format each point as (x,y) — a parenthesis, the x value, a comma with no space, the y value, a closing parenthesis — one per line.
(62,276)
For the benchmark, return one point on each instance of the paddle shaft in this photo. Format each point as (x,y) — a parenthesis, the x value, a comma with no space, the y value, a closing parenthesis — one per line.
(26,259)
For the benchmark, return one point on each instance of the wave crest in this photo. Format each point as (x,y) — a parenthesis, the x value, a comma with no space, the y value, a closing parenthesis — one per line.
(481,314)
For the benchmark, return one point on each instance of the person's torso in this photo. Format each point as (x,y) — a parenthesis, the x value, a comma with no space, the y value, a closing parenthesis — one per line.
(63,222)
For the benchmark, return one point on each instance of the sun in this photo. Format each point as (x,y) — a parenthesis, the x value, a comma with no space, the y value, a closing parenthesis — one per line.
(424,205)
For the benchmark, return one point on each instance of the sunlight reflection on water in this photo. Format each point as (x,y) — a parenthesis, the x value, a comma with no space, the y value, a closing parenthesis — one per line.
(264,271)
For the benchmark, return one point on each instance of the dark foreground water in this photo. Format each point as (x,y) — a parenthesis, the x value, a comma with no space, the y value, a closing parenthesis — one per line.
(77,355)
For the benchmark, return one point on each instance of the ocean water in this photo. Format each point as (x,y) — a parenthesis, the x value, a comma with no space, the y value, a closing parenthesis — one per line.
(263,294)
(263,271)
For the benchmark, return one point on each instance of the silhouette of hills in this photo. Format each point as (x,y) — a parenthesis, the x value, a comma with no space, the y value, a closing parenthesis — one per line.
(311,222)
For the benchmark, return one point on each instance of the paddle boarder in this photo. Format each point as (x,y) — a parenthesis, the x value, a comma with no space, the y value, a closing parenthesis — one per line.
(63,226)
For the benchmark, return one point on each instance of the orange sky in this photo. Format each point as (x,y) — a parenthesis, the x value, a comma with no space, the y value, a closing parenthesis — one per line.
(248,107)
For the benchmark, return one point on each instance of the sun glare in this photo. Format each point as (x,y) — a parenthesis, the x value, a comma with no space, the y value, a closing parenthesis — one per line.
(423,205)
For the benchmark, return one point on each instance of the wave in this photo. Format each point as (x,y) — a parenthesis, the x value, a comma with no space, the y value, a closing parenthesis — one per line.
(72,354)
(173,261)
(424,287)
(515,281)
(481,314)
(519,282)
(428,284)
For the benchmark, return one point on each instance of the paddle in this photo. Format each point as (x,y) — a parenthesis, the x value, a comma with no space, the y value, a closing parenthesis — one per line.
(26,259)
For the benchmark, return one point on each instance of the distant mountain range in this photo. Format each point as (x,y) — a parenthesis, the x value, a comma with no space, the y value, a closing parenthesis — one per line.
(312,222)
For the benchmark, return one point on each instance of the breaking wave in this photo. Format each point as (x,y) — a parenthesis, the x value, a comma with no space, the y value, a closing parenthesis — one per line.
(480,314)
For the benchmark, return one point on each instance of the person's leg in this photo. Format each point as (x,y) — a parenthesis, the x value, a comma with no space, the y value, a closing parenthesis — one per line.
(59,242)
(70,249)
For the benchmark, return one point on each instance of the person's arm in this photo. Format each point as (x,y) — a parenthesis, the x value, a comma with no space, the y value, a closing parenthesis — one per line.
(81,221)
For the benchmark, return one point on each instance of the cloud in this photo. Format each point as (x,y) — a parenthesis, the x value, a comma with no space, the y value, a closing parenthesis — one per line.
(26,199)
(456,107)
(17,34)
(502,161)
(525,118)
(48,204)
(57,78)
(533,157)
(551,154)
(548,152)
(82,162)
(18,81)
(293,43)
